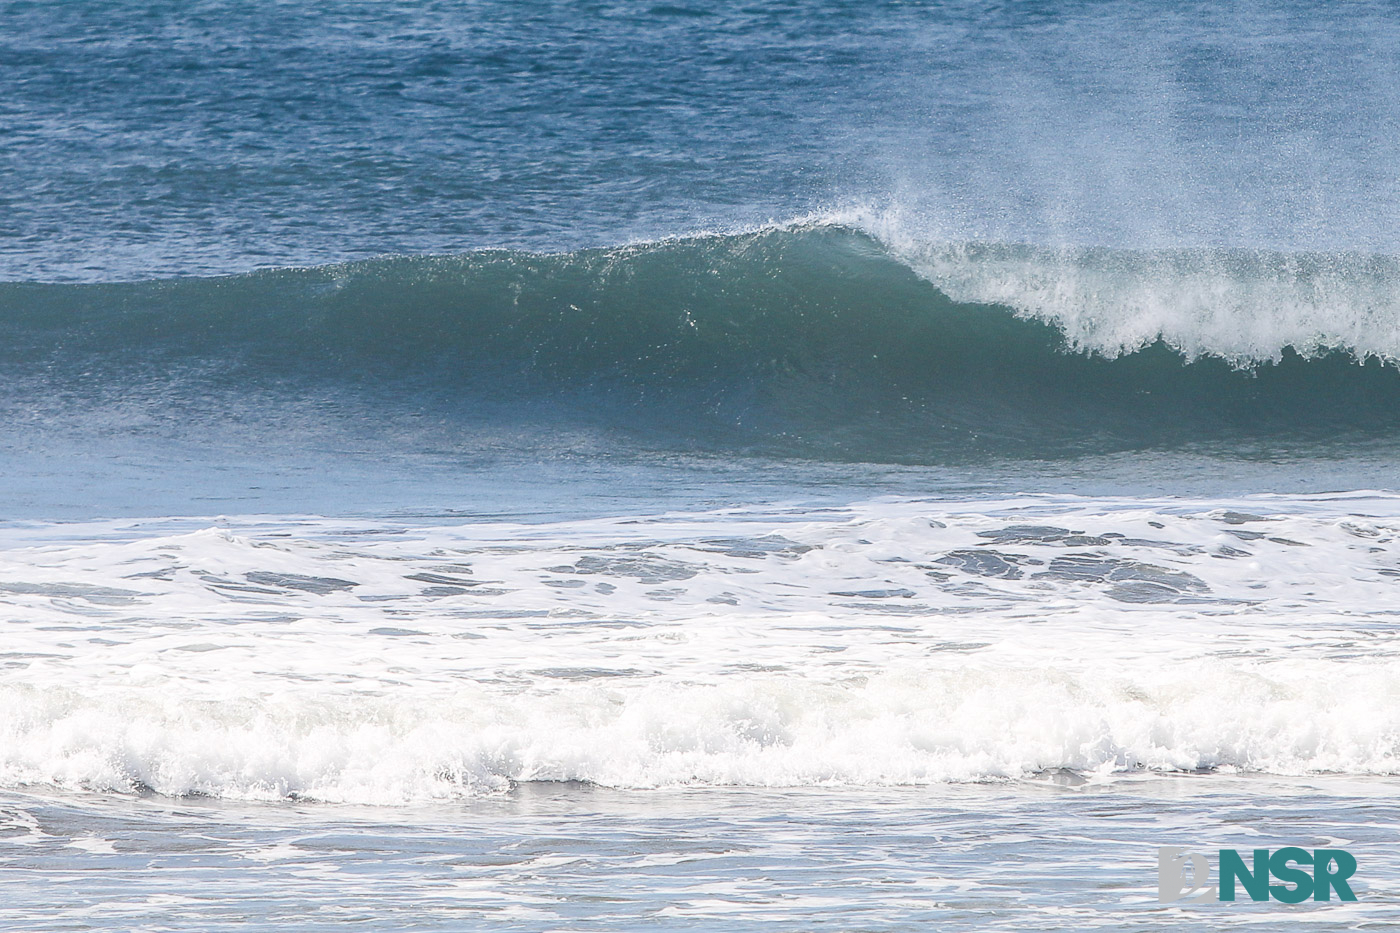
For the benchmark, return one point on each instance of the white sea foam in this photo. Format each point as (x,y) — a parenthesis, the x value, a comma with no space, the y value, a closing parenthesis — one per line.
(889,642)
(1246,306)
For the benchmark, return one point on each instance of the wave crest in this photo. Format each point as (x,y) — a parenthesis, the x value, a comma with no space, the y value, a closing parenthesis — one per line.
(817,337)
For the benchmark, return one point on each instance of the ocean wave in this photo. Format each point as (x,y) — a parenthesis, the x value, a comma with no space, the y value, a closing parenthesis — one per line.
(1244,306)
(839,337)
(896,642)
(922,724)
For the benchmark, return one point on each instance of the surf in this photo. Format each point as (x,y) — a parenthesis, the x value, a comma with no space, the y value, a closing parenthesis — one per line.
(821,339)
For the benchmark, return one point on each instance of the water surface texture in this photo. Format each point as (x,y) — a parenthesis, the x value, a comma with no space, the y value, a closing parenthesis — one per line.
(694,465)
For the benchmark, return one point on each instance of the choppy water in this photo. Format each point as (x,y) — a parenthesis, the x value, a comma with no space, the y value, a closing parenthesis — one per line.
(636,466)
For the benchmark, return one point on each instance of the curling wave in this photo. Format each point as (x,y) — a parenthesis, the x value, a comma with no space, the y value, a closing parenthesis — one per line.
(816,338)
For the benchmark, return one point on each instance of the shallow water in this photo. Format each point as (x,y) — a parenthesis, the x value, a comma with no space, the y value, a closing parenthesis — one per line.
(1038,855)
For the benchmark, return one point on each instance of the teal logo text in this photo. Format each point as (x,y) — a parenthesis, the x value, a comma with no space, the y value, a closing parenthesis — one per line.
(1290,875)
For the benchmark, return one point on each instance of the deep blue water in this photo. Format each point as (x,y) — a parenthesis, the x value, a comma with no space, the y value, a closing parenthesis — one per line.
(144,139)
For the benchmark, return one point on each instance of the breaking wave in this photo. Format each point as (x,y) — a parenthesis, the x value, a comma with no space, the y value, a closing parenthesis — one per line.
(817,338)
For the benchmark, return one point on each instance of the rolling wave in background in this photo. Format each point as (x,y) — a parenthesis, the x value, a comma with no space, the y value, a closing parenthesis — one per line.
(841,339)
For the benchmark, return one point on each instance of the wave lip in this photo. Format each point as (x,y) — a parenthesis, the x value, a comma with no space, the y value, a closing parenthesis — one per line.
(1243,306)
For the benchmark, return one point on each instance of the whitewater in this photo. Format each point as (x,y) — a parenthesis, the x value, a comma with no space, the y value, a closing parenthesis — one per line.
(826,712)
(694,466)
(897,642)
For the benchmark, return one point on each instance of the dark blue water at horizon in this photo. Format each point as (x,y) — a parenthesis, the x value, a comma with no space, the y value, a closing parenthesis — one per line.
(153,138)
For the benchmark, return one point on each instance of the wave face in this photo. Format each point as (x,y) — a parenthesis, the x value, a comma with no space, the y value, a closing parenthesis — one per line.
(898,642)
(818,339)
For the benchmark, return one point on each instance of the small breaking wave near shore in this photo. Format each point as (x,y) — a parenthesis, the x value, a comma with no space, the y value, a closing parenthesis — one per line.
(895,642)
(925,724)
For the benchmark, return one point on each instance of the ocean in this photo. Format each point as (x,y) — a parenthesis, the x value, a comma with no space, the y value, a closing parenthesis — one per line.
(836,465)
